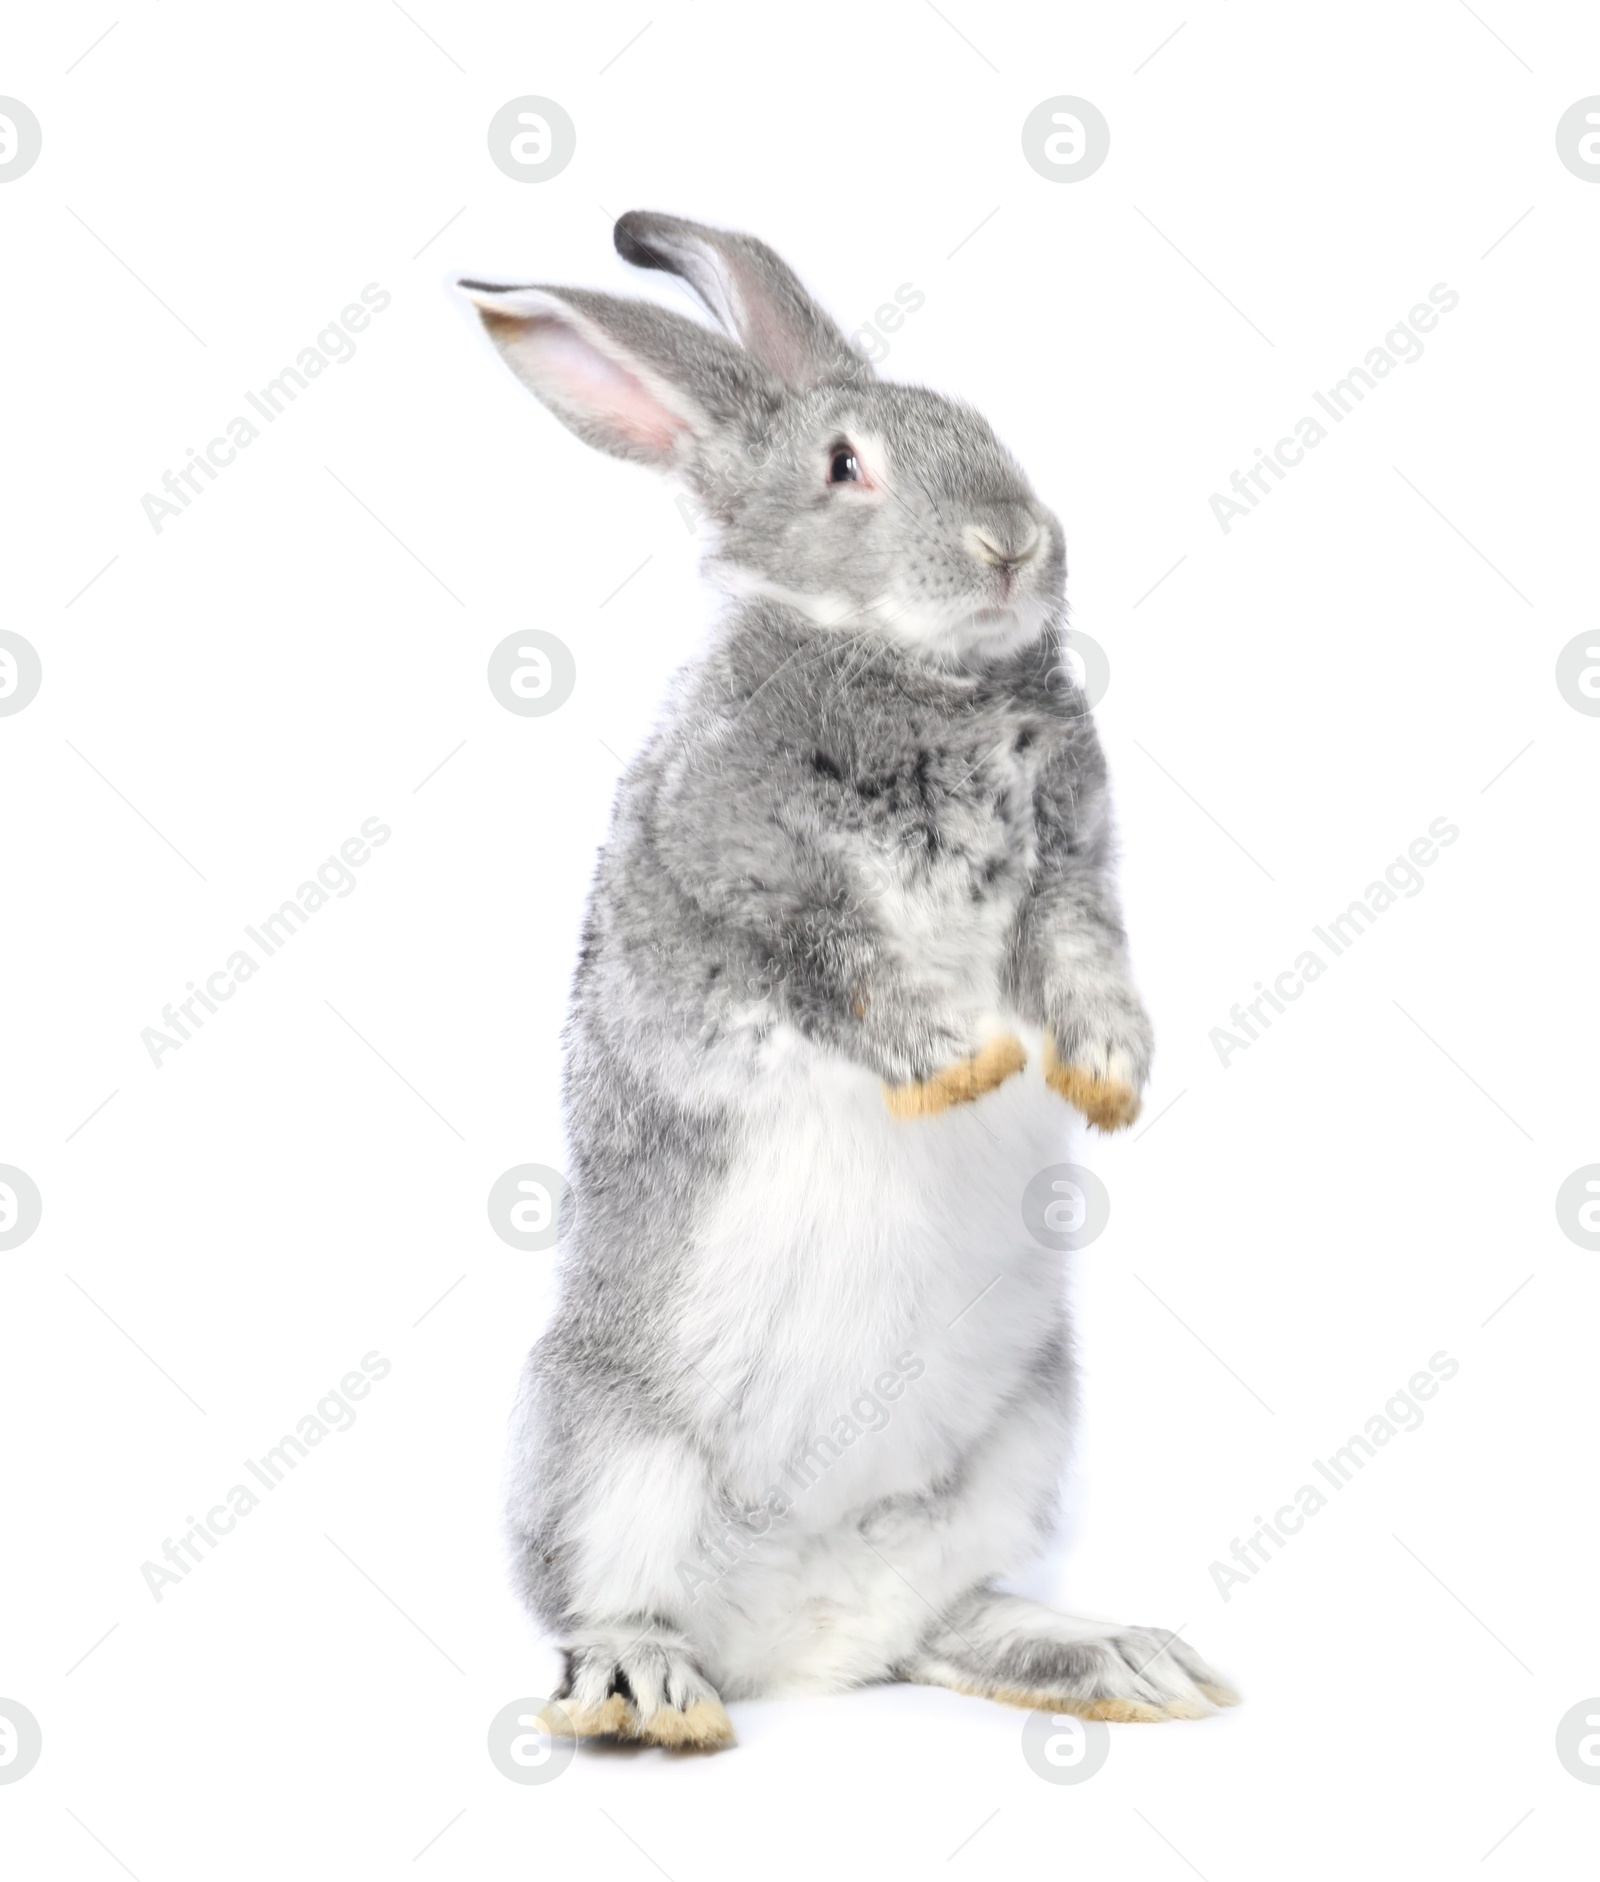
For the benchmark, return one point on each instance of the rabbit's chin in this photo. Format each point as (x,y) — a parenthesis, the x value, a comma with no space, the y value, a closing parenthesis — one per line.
(967,634)
(985,633)
(940,630)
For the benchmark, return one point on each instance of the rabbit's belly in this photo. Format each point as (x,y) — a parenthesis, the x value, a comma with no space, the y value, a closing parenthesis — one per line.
(875,1328)
(865,1290)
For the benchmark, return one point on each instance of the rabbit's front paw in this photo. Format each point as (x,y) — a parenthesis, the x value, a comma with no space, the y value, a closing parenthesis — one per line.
(960,1083)
(1102,1082)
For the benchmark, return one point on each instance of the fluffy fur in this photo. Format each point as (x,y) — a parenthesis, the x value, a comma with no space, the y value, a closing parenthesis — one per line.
(808,1389)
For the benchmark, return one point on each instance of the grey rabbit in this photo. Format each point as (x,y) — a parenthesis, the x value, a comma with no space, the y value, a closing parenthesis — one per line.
(852,940)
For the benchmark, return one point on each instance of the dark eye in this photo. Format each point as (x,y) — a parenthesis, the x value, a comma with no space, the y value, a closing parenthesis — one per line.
(843,467)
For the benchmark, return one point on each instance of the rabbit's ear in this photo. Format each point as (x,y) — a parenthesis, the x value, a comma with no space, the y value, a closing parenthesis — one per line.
(638,381)
(755,296)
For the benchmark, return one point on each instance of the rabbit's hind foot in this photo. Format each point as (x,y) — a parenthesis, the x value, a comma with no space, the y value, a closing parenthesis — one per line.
(1005,1648)
(644,1688)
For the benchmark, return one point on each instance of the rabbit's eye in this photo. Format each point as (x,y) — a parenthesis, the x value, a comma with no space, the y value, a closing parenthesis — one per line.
(844,467)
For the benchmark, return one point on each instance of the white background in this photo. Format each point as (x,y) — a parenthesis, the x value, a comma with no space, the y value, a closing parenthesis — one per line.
(1299,1231)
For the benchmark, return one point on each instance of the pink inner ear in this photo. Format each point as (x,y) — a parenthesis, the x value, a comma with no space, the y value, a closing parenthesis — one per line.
(597,387)
(744,303)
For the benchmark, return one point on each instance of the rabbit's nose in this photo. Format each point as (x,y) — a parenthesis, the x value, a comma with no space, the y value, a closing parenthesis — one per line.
(1007,542)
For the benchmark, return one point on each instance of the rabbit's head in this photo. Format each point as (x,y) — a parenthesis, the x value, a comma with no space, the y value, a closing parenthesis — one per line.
(862,504)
